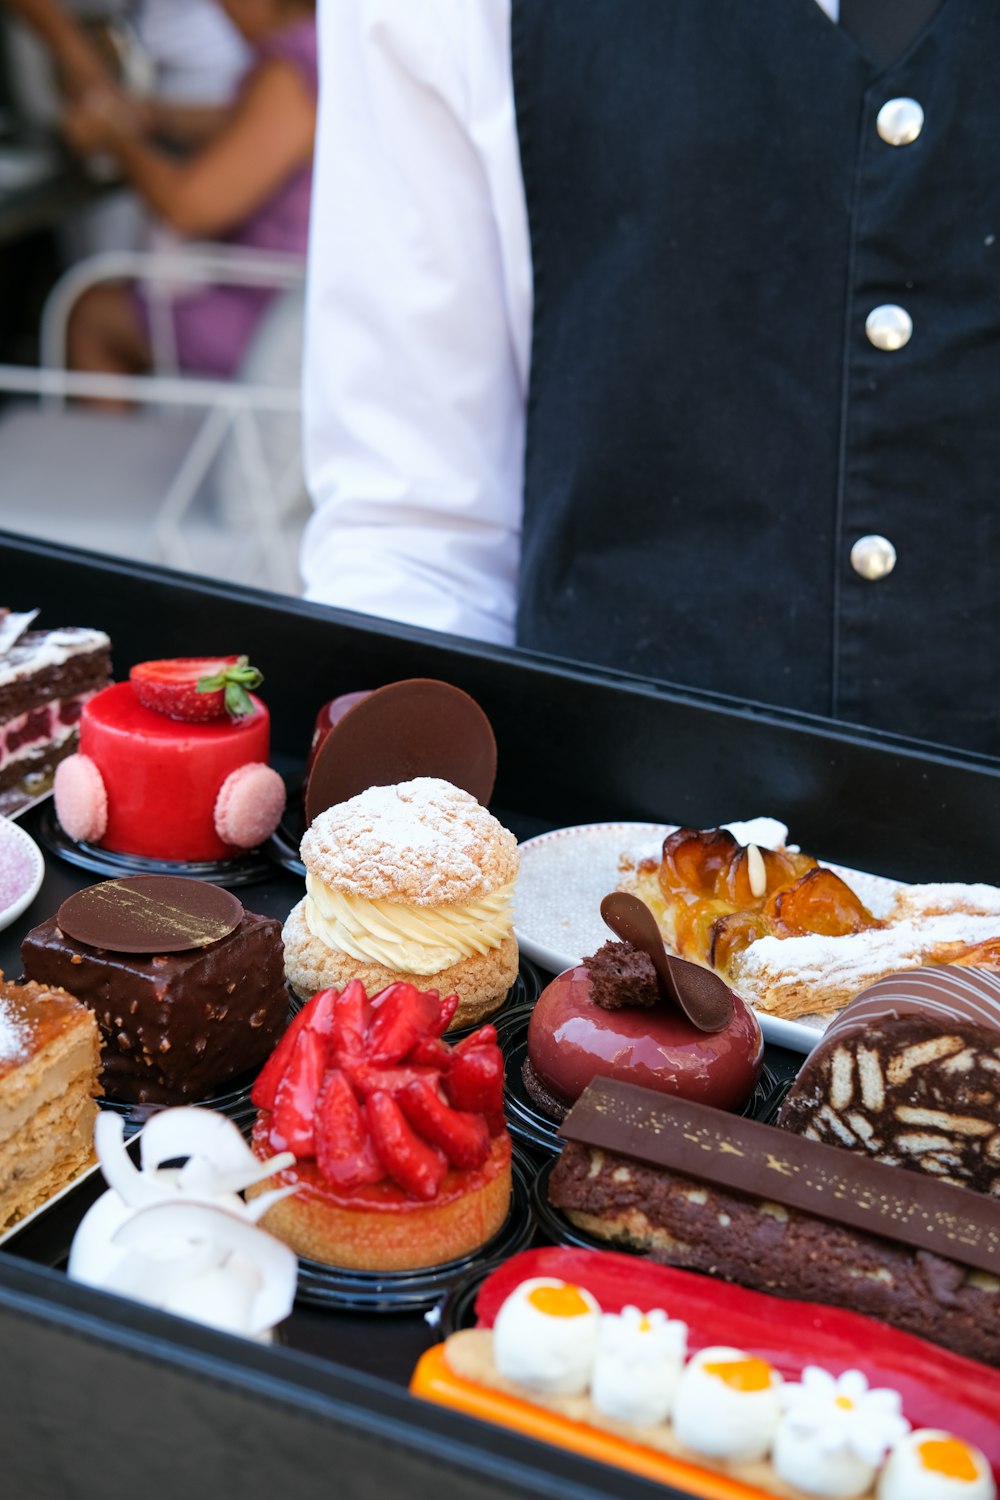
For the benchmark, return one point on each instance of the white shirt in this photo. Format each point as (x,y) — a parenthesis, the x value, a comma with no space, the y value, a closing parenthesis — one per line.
(418,320)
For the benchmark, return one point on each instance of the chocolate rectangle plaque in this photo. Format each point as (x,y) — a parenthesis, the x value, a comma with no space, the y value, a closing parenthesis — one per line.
(764,1162)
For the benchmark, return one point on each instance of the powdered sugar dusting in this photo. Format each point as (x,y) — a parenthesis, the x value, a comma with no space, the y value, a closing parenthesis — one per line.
(424,841)
(14,1035)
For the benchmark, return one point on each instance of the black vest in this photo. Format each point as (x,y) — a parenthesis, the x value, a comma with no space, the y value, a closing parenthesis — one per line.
(713,215)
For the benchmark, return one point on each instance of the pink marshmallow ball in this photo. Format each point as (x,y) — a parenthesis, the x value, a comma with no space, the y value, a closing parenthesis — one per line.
(81,799)
(248,808)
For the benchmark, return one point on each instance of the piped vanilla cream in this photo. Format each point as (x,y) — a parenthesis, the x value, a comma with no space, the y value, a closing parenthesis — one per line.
(407,938)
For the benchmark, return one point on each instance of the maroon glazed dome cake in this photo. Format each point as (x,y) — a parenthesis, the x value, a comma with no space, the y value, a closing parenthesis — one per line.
(574,1037)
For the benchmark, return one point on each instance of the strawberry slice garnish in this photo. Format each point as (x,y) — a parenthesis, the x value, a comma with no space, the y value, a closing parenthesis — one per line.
(464,1138)
(367,1078)
(266,1085)
(417,1167)
(295,1097)
(196,689)
(403,1016)
(430,1052)
(344,1151)
(474,1081)
(317,1016)
(449,1005)
(352,1014)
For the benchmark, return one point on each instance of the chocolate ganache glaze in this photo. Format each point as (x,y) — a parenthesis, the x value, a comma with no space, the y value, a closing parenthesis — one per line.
(175,1025)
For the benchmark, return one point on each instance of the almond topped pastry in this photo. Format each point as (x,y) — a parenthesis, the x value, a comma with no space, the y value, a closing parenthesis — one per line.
(790,935)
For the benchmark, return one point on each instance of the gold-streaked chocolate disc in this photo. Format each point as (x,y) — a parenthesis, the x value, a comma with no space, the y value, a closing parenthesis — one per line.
(150,914)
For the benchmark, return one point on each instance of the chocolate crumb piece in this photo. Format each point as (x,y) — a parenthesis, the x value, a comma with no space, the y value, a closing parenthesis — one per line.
(620,976)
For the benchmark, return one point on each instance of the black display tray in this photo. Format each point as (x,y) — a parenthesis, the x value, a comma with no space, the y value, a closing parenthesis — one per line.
(104,1398)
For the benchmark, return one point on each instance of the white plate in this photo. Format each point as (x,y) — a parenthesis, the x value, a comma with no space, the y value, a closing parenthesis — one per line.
(22,870)
(565,874)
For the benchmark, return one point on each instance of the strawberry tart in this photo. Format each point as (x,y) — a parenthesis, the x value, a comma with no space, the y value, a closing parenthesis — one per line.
(173,764)
(402,1158)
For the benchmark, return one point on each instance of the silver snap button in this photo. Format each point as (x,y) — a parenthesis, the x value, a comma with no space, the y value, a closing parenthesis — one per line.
(873,557)
(899,121)
(889,326)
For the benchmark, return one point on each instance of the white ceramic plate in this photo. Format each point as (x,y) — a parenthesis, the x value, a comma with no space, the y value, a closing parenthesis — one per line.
(566,873)
(22,870)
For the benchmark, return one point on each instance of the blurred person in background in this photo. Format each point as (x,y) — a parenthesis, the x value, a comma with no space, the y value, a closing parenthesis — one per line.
(248,184)
(189,52)
(175,63)
(665,335)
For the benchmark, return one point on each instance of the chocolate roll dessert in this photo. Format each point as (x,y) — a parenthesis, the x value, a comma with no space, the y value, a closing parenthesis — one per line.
(909,1073)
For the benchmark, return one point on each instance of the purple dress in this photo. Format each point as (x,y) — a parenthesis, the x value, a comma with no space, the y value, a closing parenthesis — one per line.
(214,326)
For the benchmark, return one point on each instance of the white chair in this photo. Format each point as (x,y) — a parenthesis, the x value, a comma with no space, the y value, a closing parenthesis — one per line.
(202,475)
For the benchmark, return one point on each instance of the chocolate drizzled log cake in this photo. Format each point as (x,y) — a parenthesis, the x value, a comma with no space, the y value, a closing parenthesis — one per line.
(909,1073)
(187,987)
(711,1192)
(46,676)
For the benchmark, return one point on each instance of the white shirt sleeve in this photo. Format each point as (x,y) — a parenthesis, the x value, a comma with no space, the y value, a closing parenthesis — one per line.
(418,317)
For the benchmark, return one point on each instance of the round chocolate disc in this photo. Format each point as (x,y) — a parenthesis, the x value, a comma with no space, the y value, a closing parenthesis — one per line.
(419,727)
(150,914)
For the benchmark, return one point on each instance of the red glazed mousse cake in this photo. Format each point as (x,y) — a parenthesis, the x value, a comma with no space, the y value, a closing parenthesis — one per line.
(170,769)
(608,1018)
(402,1156)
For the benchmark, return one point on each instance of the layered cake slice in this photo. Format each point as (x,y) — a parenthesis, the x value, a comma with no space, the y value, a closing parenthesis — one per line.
(49,1061)
(46,676)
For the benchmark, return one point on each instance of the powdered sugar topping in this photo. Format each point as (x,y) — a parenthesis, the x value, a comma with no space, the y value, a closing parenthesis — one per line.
(14,1035)
(424,841)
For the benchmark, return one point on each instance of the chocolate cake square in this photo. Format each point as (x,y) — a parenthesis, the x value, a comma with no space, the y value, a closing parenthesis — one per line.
(175,1026)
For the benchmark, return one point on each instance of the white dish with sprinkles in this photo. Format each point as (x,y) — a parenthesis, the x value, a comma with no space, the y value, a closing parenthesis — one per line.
(22,870)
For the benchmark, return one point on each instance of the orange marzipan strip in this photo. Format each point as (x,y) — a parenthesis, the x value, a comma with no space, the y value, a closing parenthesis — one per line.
(434,1381)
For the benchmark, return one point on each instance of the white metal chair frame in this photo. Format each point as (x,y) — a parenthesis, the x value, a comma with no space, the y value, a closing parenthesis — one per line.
(229,408)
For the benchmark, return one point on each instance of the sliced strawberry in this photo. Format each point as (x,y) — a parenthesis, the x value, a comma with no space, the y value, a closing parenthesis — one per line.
(367,1079)
(430,1052)
(463,1137)
(196,689)
(475,1081)
(446,1014)
(352,1014)
(417,1167)
(485,1036)
(264,1089)
(344,1151)
(316,1015)
(296,1094)
(403,1016)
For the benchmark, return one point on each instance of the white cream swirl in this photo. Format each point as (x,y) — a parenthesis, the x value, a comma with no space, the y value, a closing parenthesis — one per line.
(406,938)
